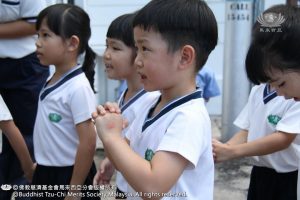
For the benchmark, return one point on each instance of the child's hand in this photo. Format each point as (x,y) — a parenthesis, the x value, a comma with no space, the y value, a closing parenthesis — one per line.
(109,125)
(107,107)
(28,173)
(221,152)
(104,173)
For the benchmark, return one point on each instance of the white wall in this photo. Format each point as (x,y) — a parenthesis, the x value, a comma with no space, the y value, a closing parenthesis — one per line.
(269,3)
(215,60)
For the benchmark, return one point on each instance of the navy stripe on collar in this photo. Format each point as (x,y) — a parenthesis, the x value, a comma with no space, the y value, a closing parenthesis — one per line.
(169,107)
(65,79)
(12,3)
(268,94)
(131,100)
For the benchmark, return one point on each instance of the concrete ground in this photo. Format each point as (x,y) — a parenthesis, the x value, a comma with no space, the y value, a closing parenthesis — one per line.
(231,177)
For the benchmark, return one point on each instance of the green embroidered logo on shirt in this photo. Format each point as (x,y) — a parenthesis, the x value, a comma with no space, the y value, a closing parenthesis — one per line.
(149,154)
(274,119)
(53,117)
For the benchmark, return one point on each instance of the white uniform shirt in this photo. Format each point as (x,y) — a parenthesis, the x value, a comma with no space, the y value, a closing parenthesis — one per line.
(130,110)
(182,127)
(266,113)
(12,10)
(61,106)
(4,112)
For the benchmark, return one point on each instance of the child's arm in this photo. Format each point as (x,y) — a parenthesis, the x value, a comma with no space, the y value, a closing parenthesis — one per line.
(266,145)
(18,144)
(158,175)
(85,152)
(239,138)
(104,173)
(15,29)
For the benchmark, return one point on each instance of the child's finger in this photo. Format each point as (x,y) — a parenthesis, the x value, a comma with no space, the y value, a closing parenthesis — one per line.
(96,178)
(112,107)
(101,110)
(94,115)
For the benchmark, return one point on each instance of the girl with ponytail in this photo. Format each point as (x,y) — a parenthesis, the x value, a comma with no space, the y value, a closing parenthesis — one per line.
(64,134)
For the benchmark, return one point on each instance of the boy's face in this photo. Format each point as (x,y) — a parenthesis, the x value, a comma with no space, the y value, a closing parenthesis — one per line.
(118,59)
(156,66)
(286,83)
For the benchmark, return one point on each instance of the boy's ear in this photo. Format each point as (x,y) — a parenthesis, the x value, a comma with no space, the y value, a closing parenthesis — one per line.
(187,56)
(73,43)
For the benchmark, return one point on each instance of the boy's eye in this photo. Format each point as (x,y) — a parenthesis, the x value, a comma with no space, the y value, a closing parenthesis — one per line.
(116,48)
(43,35)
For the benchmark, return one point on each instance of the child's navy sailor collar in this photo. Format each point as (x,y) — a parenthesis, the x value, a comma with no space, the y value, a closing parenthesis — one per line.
(131,100)
(175,103)
(268,94)
(69,75)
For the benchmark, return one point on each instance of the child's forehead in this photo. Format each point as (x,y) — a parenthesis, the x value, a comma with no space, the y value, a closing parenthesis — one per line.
(145,29)
(113,40)
(44,25)
(140,32)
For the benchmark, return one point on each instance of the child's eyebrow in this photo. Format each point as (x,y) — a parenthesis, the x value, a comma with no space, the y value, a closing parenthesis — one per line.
(139,41)
(273,80)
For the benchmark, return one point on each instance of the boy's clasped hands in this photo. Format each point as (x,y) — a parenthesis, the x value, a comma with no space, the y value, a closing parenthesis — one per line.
(109,121)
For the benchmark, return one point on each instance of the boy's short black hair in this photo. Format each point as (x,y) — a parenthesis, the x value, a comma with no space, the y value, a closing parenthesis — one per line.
(274,47)
(181,22)
(121,29)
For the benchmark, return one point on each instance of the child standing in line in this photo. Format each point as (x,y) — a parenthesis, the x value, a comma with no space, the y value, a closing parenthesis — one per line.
(64,134)
(119,59)
(269,135)
(277,58)
(16,140)
(170,152)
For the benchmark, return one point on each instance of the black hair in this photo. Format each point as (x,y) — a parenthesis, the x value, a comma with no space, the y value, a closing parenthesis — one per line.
(276,48)
(66,20)
(121,29)
(181,22)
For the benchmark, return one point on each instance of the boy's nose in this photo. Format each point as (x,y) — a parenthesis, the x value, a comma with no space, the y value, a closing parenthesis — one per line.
(106,55)
(37,43)
(138,63)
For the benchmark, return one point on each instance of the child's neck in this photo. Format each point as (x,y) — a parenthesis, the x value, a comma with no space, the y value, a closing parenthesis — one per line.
(61,70)
(65,67)
(271,88)
(168,95)
(133,88)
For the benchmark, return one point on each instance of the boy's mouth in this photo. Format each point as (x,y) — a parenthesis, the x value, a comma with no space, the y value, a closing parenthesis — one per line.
(143,77)
(108,67)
